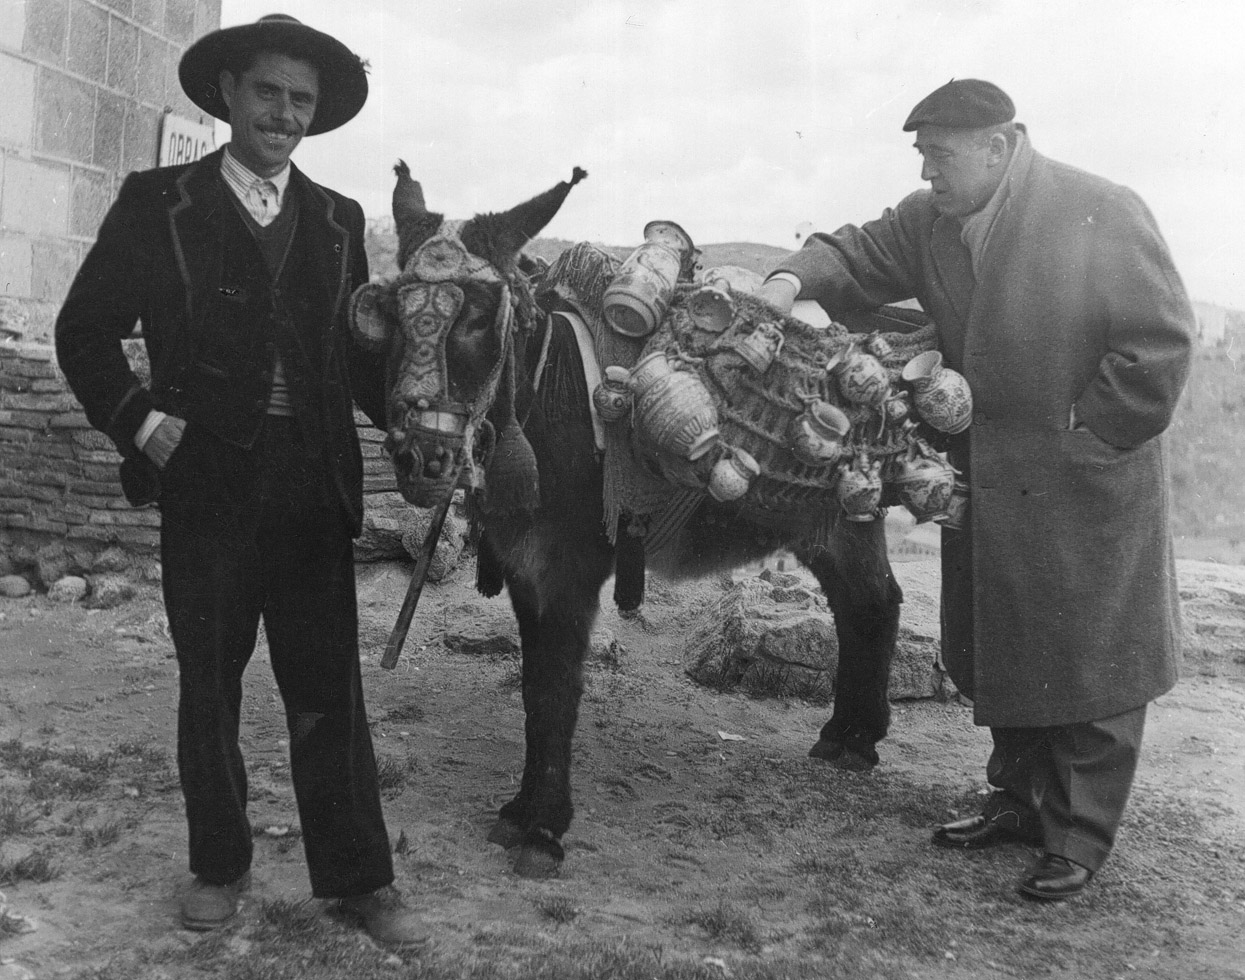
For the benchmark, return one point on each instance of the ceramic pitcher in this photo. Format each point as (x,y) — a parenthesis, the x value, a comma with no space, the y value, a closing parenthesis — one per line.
(941,395)
(732,475)
(612,397)
(817,434)
(860,376)
(860,489)
(923,481)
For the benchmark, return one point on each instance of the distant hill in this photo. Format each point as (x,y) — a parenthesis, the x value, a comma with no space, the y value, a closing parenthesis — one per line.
(382,247)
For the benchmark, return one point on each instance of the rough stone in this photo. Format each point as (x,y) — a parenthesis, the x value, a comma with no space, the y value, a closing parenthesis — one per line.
(449,547)
(109,590)
(14,586)
(756,638)
(494,646)
(71,588)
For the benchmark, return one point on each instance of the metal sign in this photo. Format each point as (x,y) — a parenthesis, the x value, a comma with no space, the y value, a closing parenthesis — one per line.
(183,140)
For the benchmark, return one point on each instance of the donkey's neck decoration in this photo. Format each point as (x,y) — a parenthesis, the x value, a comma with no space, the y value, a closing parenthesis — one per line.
(438,429)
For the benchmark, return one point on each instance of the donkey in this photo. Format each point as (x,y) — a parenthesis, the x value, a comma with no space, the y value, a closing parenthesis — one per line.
(463,334)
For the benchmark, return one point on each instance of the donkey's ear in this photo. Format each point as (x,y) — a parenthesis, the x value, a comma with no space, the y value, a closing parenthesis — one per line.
(368,321)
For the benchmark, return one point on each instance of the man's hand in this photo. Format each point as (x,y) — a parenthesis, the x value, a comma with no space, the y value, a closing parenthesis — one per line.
(161,443)
(778,293)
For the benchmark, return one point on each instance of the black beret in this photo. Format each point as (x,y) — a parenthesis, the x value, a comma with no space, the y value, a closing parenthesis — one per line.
(963,103)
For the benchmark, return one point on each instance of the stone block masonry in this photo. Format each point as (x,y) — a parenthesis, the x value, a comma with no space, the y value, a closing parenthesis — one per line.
(58,475)
(87,84)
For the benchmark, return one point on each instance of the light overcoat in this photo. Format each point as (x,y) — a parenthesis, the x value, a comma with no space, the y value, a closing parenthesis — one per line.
(1059,600)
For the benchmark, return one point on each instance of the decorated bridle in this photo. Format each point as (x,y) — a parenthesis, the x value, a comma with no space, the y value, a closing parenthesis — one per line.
(442,440)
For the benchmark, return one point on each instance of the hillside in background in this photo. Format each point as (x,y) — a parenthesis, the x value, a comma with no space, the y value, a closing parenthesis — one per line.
(1206,440)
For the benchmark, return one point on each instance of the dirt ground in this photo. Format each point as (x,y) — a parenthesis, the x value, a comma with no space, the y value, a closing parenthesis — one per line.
(702,830)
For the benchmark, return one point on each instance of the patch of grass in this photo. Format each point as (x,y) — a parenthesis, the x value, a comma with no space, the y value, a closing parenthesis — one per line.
(16,817)
(53,782)
(37,866)
(406,712)
(724,922)
(74,774)
(391,774)
(559,909)
(288,922)
(21,758)
(105,835)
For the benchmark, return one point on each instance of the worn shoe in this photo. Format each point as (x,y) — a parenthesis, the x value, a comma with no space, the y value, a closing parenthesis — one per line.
(975,833)
(1055,878)
(386,917)
(206,906)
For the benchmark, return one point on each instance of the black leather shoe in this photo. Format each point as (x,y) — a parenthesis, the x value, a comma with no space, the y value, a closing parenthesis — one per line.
(1055,878)
(978,832)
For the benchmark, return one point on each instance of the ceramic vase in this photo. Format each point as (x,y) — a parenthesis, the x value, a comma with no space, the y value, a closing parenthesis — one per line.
(860,376)
(672,409)
(956,517)
(817,434)
(732,475)
(637,299)
(941,396)
(860,489)
(923,482)
(612,397)
(711,309)
(760,347)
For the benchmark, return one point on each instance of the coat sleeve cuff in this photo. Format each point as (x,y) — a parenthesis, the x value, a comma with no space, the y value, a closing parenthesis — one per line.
(128,418)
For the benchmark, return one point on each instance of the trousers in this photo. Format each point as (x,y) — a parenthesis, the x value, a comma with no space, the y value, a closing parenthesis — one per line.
(1069,782)
(268,546)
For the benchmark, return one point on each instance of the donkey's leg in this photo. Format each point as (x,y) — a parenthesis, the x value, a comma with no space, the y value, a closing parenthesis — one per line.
(856,576)
(556,609)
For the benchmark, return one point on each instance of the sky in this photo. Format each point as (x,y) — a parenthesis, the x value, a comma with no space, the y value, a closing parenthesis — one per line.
(759,120)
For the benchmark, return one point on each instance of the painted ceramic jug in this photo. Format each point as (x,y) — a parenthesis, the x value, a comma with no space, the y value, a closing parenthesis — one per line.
(612,397)
(711,308)
(817,434)
(732,475)
(673,410)
(860,489)
(860,376)
(761,346)
(897,409)
(923,481)
(956,518)
(878,346)
(941,395)
(637,299)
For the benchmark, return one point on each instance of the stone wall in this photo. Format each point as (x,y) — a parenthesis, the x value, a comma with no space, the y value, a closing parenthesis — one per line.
(58,476)
(86,86)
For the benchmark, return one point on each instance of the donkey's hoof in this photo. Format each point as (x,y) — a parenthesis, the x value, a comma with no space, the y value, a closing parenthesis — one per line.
(539,856)
(506,832)
(841,756)
(535,862)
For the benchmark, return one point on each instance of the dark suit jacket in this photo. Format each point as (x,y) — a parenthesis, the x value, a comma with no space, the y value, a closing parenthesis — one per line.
(173,253)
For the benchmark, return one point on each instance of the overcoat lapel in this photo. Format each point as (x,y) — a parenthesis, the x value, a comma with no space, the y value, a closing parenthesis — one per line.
(953,268)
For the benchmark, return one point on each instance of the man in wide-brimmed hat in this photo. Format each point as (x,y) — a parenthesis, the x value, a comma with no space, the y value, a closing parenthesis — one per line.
(1055,295)
(239,268)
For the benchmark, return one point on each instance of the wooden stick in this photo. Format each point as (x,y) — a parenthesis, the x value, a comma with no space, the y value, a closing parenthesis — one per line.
(393,649)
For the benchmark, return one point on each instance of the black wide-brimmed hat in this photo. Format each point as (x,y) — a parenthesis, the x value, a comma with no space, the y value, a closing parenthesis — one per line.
(343,79)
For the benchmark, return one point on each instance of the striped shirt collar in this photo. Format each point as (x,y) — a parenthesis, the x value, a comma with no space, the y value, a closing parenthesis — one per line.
(240,179)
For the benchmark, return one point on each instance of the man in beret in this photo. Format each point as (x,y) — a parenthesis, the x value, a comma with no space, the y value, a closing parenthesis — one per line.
(1055,296)
(239,269)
